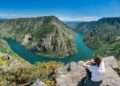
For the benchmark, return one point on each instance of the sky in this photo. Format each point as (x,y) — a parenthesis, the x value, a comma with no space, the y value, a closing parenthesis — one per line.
(67,10)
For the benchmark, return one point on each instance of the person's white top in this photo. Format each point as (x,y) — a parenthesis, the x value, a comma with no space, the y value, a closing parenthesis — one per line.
(97,72)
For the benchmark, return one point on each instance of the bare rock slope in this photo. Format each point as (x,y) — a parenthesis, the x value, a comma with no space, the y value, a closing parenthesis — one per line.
(77,73)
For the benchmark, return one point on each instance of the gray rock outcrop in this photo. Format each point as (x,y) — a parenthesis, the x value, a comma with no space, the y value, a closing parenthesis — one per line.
(38,83)
(76,73)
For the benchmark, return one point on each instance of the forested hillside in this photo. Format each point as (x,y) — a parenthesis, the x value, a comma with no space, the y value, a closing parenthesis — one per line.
(102,35)
(43,35)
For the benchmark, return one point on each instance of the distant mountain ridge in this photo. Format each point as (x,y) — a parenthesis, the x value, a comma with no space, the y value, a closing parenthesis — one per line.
(72,24)
(45,35)
(103,31)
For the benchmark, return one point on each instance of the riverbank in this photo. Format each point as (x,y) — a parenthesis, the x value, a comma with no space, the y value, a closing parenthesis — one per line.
(83,52)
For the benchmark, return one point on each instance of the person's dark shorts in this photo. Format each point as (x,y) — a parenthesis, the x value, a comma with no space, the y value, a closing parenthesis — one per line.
(88,82)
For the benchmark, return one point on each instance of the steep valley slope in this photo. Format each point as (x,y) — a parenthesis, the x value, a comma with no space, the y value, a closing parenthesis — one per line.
(102,35)
(45,35)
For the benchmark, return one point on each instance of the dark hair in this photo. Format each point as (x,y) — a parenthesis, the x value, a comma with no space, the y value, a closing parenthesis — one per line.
(97,61)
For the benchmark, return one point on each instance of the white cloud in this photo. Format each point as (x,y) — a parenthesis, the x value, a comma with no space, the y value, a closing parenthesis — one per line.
(81,18)
(12,15)
(64,18)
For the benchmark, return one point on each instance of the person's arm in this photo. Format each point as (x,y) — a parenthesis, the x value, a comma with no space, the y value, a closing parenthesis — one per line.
(87,64)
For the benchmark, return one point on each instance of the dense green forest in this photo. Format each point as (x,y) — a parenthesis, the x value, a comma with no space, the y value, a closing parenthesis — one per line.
(103,35)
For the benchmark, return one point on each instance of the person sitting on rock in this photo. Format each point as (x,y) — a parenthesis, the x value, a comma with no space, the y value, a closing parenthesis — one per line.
(97,69)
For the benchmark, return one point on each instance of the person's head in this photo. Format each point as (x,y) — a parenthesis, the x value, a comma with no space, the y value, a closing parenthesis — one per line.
(97,61)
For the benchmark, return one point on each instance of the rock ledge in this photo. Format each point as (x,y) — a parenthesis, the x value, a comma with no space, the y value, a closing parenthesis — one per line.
(77,73)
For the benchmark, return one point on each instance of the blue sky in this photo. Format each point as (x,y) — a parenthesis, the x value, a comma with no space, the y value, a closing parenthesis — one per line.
(68,10)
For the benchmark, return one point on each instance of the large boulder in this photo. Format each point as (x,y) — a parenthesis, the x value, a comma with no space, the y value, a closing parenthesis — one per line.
(111,78)
(71,77)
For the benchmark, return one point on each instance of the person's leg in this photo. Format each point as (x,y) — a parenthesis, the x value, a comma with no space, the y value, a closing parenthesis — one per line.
(88,83)
(98,83)
(91,83)
(88,76)
(81,83)
(88,73)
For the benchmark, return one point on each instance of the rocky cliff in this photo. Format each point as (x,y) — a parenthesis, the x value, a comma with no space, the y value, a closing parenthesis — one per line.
(77,73)
(43,35)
